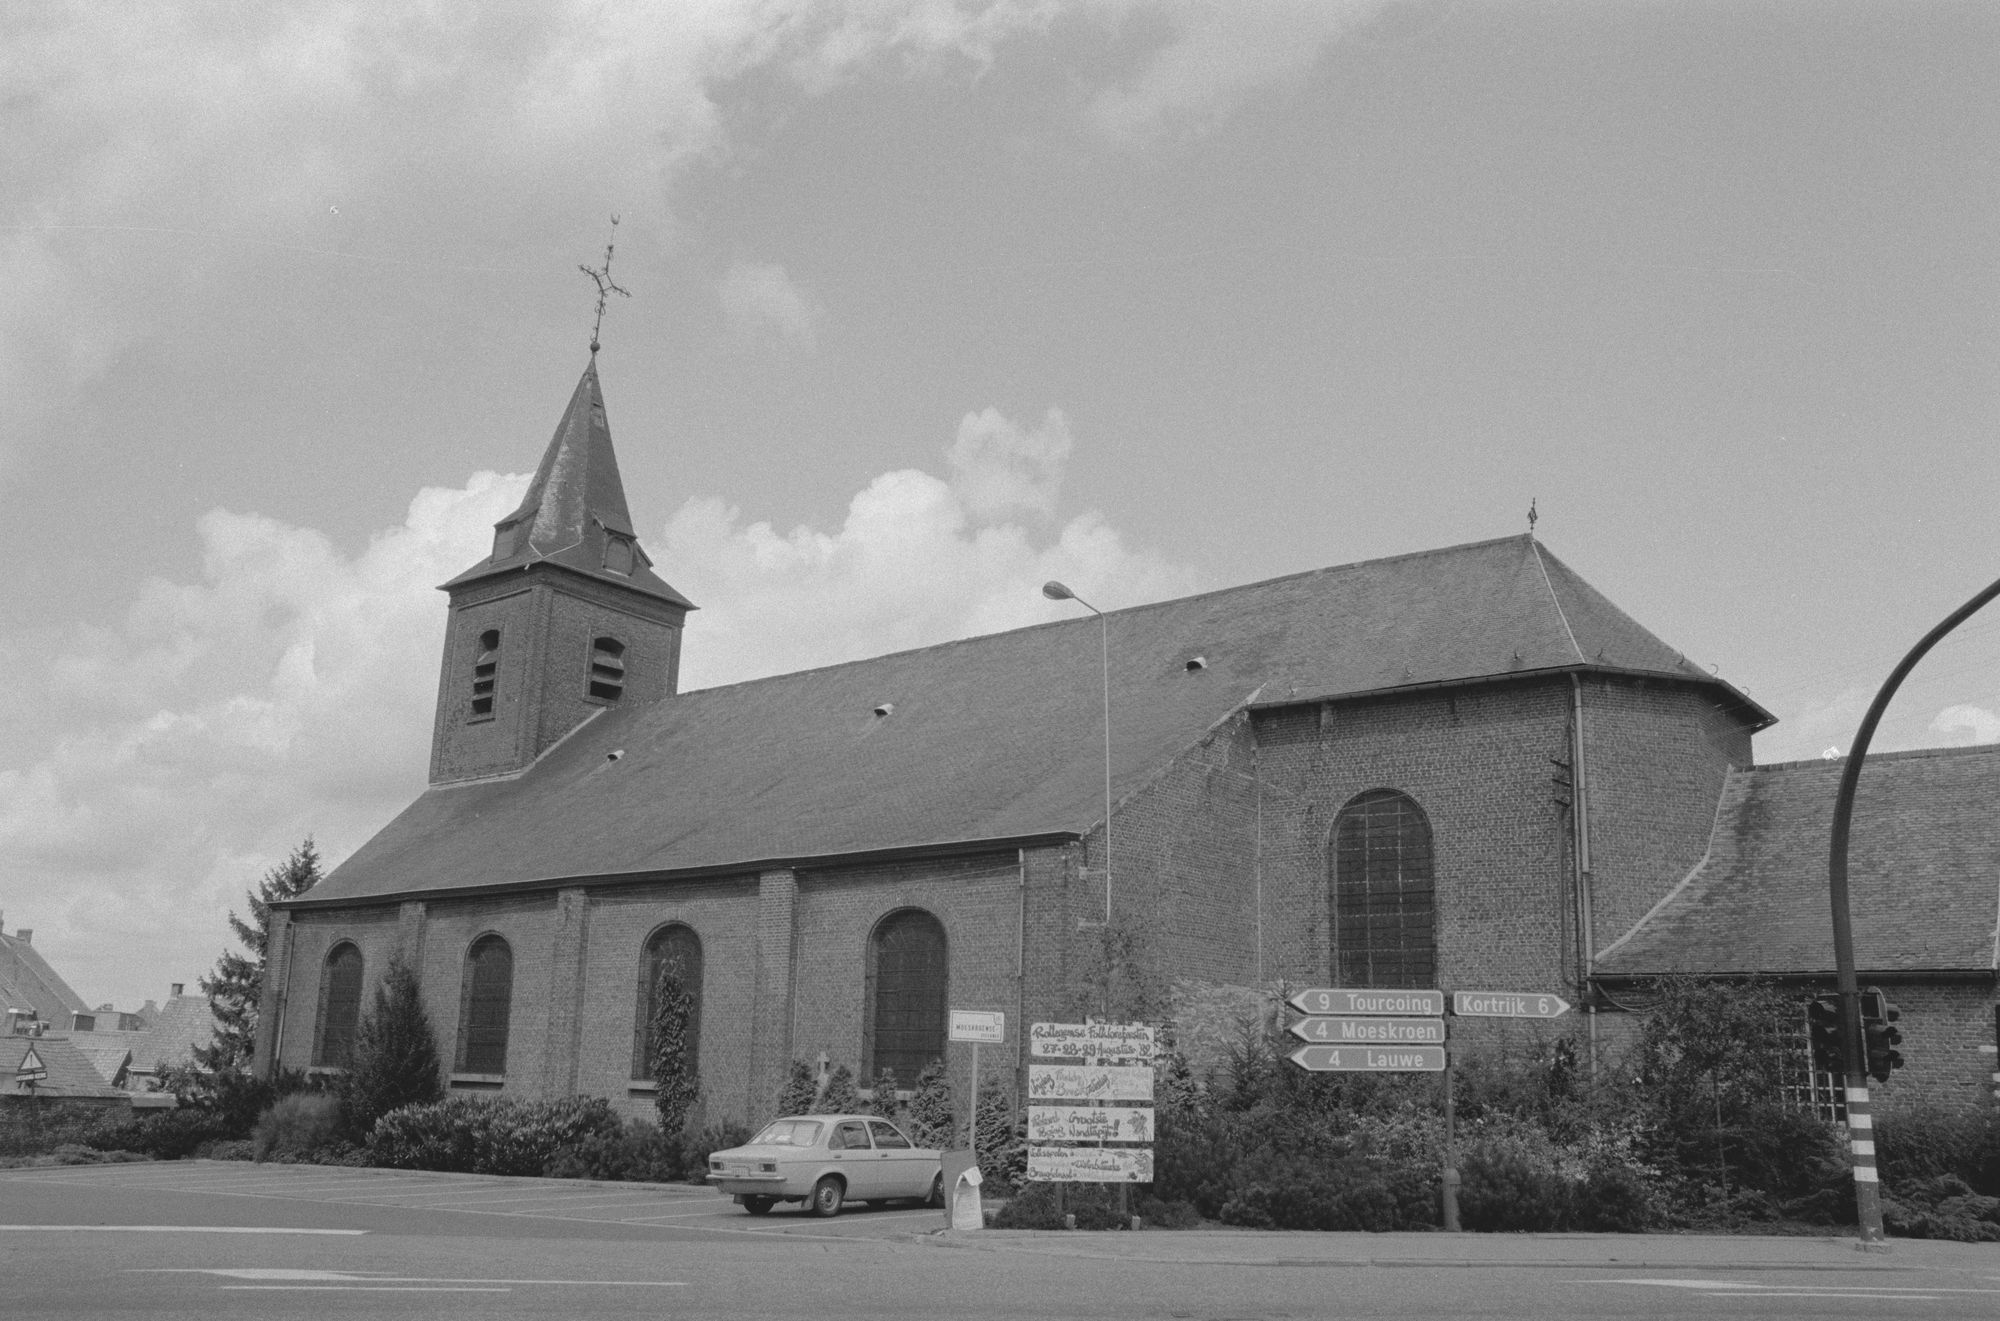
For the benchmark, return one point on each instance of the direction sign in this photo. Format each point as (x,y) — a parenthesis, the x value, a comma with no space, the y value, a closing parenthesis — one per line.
(1370,1059)
(1355,1031)
(977,1025)
(1507,1004)
(1370,1001)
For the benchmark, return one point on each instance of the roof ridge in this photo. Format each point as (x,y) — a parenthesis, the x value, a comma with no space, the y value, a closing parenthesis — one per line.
(1121,610)
(1901,754)
(1556,600)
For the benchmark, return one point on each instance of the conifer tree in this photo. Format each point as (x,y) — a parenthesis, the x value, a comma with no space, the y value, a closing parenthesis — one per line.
(395,1059)
(237,983)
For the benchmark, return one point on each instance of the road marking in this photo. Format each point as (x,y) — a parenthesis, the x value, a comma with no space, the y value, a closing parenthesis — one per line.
(372,1288)
(279,1274)
(172,1229)
(1887,1293)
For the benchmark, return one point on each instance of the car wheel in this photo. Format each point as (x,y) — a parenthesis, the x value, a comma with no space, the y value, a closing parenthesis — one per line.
(827,1196)
(935,1197)
(759,1206)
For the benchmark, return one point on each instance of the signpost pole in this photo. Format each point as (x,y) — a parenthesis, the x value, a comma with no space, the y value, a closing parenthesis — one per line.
(972,1120)
(1449,1181)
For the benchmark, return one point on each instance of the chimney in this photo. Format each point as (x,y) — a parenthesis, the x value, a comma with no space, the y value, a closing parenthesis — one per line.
(25,936)
(177,989)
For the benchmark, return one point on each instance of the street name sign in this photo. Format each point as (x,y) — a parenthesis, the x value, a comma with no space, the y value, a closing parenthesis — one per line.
(1091,1042)
(1507,1004)
(1370,1059)
(1372,1001)
(977,1025)
(1356,1031)
(1091,1164)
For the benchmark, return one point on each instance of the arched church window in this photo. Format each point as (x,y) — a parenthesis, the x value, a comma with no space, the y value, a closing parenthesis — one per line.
(908,982)
(339,1006)
(607,669)
(485,672)
(673,946)
(485,1004)
(1384,898)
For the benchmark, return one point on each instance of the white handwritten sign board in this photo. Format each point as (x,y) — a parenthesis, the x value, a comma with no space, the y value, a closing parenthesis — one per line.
(1090,1082)
(1091,1164)
(1087,1123)
(1090,1043)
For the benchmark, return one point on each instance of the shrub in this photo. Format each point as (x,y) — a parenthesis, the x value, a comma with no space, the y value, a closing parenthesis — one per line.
(1003,1140)
(840,1097)
(801,1089)
(1156,1214)
(1511,1183)
(696,1148)
(676,1086)
(464,1135)
(932,1121)
(163,1135)
(639,1152)
(1275,1191)
(1095,1206)
(296,1126)
(395,1061)
(882,1098)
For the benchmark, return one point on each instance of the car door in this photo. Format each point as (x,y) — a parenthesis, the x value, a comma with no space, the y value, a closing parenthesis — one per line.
(850,1152)
(906,1171)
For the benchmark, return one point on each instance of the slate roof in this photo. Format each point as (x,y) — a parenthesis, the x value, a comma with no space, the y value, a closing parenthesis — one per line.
(27,981)
(576,497)
(69,1070)
(1923,873)
(995,738)
(110,1053)
(184,1022)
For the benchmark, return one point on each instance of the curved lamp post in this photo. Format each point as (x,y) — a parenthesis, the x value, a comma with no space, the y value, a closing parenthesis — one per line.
(1056,591)
(1867,1195)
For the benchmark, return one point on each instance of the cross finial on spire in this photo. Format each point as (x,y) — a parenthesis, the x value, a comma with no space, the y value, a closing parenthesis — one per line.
(602,277)
(1531,501)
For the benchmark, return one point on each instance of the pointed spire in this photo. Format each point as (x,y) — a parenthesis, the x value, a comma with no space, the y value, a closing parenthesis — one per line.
(574,513)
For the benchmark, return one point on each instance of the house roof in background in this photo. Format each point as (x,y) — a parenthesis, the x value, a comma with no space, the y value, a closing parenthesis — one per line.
(27,981)
(70,1072)
(995,738)
(110,1053)
(184,1022)
(1923,873)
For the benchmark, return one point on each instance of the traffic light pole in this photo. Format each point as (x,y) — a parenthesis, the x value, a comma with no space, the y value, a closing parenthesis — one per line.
(1860,1121)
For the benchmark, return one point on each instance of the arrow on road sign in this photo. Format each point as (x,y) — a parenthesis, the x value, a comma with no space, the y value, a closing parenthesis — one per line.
(1370,1059)
(1370,1031)
(1507,1004)
(1371,1001)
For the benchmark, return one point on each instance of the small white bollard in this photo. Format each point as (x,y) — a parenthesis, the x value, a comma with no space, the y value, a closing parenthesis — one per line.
(966,1212)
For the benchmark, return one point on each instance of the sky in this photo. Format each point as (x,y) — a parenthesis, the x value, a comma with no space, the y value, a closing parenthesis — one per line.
(931,301)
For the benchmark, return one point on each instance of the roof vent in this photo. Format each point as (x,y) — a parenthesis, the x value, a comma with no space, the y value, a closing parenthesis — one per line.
(1196,663)
(887,708)
(614,754)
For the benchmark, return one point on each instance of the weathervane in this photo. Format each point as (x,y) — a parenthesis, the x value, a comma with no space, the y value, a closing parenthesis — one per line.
(1531,499)
(602,277)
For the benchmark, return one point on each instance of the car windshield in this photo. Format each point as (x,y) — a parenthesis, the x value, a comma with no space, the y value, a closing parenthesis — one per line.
(788,1133)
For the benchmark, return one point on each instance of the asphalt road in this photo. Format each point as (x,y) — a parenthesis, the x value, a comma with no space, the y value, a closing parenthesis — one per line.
(207,1240)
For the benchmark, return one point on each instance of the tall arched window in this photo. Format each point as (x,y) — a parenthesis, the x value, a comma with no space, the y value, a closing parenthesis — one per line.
(1384,900)
(675,946)
(484,1007)
(908,985)
(485,672)
(339,1006)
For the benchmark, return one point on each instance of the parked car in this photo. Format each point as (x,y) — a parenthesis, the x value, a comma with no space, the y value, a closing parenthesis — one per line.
(827,1161)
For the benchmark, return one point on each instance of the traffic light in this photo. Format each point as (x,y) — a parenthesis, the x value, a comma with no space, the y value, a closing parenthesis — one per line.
(1880,1035)
(1823,1032)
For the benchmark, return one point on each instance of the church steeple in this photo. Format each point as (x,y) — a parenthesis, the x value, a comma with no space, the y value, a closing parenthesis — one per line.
(563,618)
(574,512)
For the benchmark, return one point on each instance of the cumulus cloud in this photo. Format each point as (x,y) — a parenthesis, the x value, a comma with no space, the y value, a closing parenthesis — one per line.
(1967,724)
(760,302)
(290,689)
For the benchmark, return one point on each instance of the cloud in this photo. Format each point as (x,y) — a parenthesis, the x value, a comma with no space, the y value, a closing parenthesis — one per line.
(1965,724)
(290,689)
(761,302)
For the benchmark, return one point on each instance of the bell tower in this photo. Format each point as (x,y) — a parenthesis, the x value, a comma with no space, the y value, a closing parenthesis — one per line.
(565,618)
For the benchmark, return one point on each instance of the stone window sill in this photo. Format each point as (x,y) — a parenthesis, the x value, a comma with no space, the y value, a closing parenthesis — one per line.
(642,1085)
(478,1079)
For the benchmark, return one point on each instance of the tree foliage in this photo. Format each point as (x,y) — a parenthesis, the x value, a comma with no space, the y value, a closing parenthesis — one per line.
(237,983)
(395,1060)
(675,1069)
(801,1089)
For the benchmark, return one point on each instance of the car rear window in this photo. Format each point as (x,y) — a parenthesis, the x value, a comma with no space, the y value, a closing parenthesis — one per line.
(788,1133)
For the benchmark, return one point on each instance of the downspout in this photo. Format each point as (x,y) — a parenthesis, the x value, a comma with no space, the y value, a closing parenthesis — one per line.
(274,1065)
(1580,824)
(1021,979)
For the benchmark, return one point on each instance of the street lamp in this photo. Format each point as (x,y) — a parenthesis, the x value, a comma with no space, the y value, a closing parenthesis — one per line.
(1056,591)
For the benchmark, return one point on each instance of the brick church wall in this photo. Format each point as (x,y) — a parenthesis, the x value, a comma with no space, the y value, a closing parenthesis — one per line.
(527,923)
(313,936)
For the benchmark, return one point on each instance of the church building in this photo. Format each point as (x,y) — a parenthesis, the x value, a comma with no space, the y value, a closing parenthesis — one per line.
(1462,768)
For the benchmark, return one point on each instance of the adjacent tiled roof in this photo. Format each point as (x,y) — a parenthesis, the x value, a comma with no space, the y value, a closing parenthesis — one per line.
(575,497)
(108,1052)
(184,1022)
(28,982)
(1923,872)
(69,1071)
(991,738)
